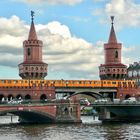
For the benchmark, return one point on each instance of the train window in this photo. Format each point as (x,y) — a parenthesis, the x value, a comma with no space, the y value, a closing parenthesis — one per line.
(9,81)
(113,82)
(124,82)
(3,81)
(108,82)
(84,82)
(72,82)
(15,81)
(80,82)
(87,82)
(104,82)
(95,82)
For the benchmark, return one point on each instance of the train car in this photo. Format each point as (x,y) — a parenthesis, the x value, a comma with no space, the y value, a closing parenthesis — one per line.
(68,83)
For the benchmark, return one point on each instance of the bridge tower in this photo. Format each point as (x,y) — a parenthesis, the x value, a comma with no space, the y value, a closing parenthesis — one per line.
(112,68)
(32,67)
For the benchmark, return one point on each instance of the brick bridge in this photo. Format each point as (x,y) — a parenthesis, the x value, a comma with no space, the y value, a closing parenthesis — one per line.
(59,111)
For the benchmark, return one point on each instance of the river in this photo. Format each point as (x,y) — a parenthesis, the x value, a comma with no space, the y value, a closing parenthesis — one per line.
(88,130)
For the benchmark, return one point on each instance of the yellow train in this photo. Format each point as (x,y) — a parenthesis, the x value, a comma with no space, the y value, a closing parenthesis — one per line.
(68,83)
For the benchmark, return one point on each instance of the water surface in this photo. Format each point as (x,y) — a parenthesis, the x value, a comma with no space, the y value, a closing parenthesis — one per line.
(88,130)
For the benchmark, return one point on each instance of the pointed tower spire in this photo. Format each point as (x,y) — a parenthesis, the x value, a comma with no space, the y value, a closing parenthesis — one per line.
(32,67)
(112,37)
(112,68)
(32,33)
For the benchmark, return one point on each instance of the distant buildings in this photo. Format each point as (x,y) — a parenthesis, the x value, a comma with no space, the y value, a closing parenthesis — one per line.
(134,72)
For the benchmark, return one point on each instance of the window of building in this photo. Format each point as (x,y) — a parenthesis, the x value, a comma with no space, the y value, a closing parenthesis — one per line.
(29,51)
(116,54)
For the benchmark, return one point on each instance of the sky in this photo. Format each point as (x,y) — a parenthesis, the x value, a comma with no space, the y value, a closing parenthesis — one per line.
(73,33)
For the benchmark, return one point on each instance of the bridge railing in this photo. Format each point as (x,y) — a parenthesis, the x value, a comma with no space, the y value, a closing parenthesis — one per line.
(56,101)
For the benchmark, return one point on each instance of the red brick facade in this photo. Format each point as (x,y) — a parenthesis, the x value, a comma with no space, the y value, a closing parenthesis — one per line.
(33,67)
(27,93)
(113,68)
(126,92)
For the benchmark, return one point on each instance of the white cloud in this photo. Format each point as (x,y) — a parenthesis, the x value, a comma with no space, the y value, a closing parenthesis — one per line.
(100,0)
(126,12)
(62,51)
(41,2)
(56,27)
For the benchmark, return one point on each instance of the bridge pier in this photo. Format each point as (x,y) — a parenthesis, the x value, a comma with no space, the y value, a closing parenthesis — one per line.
(119,112)
(104,114)
(68,112)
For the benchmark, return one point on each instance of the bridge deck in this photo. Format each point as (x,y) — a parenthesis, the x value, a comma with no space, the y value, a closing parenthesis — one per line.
(114,104)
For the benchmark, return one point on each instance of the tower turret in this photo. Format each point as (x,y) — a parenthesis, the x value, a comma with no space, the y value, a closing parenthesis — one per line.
(32,67)
(113,68)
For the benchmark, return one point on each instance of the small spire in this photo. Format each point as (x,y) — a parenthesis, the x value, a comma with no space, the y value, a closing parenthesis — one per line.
(112,37)
(112,19)
(32,15)
(32,33)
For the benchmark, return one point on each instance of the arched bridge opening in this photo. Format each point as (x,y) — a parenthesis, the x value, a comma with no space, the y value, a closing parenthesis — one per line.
(27,116)
(88,93)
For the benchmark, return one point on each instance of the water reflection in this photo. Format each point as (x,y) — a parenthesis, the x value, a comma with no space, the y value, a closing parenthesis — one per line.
(89,130)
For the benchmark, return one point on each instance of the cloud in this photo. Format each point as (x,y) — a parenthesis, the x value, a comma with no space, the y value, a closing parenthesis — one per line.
(100,0)
(53,2)
(121,9)
(56,27)
(62,51)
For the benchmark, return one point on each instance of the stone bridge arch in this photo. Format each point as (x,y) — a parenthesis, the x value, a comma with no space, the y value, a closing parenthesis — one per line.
(31,116)
(89,93)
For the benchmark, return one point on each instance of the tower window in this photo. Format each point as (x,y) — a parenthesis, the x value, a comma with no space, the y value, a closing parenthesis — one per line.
(116,54)
(29,51)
